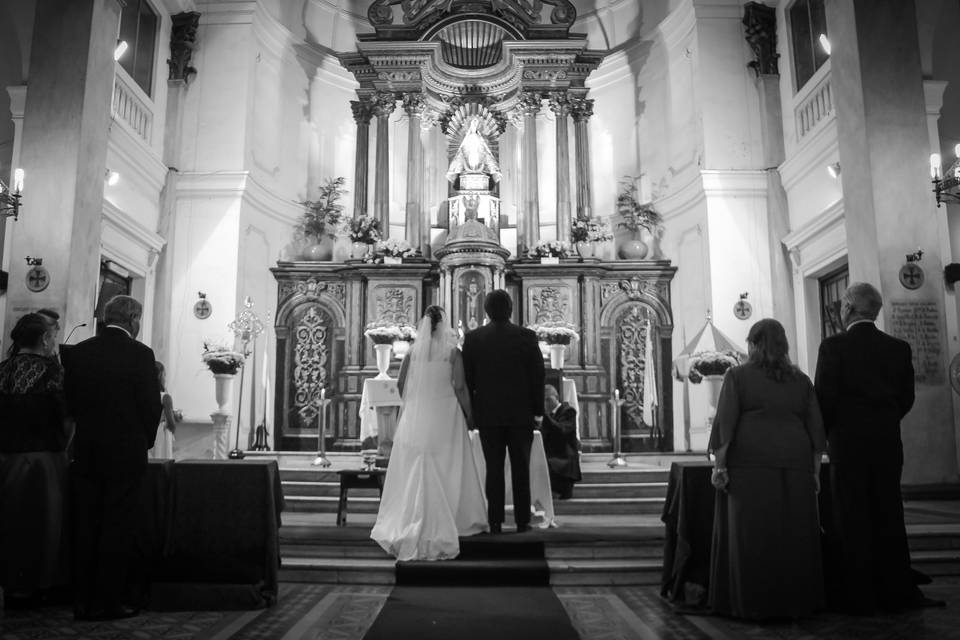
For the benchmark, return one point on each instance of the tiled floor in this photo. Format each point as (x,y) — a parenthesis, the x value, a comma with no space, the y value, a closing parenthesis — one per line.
(321,612)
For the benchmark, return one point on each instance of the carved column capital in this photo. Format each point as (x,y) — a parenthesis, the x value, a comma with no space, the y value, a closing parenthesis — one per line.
(581,109)
(183,37)
(760,22)
(384,103)
(414,104)
(362,110)
(560,103)
(529,104)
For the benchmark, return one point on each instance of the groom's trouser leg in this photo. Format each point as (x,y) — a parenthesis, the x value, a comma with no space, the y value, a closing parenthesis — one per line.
(519,441)
(494,443)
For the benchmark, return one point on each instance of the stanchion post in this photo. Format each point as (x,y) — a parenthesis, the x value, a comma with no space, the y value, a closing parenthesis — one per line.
(617,460)
(321,460)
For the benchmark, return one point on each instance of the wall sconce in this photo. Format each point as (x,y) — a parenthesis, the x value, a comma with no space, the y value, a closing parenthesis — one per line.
(120,49)
(834,170)
(112,178)
(946,186)
(10,198)
(824,43)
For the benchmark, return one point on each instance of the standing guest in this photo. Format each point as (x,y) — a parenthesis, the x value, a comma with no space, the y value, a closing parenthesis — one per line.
(33,463)
(768,440)
(503,367)
(166,430)
(864,382)
(560,443)
(113,394)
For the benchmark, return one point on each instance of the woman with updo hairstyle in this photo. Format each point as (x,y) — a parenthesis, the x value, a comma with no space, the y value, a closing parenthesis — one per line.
(33,463)
(433,493)
(768,439)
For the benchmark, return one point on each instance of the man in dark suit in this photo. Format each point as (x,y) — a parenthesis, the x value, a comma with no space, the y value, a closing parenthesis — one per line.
(504,371)
(560,443)
(113,395)
(864,383)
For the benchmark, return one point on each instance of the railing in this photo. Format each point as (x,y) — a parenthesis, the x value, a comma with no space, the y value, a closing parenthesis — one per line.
(130,108)
(816,107)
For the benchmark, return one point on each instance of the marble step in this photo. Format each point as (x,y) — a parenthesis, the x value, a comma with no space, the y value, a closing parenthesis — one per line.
(626,475)
(575,506)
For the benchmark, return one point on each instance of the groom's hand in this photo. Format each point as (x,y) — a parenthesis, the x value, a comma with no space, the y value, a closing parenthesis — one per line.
(537,422)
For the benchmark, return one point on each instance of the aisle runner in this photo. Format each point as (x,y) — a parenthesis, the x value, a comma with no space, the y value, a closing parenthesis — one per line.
(477,596)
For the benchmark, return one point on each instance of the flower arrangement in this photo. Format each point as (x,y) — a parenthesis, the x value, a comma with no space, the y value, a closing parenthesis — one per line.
(590,230)
(555,332)
(385,332)
(393,248)
(364,229)
(711,363)
(636,215)
(221,359)
(324,216)
(550,249)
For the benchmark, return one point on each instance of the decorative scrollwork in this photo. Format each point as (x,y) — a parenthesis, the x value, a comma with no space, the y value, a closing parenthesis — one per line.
(396,306)
(760,26)
(631,343)
(550,304)
(309,364)
(548,75)
(637,288)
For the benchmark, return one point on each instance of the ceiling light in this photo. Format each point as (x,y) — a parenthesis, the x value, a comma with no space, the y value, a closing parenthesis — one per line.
(120,50)
(825,43)
(112,178)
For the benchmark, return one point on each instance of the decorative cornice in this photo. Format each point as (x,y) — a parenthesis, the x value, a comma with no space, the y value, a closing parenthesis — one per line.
(815,228)
(736,184)
(142,237)
(237,184)
(815,151)
(138,158)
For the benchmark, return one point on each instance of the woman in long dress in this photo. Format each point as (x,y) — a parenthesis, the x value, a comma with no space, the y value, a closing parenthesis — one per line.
(433,493)
(163,445)
(768,439)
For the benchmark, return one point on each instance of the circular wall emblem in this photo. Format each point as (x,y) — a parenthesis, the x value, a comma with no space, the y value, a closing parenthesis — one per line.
(743,309)
(202,309)
(911,276)
(38,278)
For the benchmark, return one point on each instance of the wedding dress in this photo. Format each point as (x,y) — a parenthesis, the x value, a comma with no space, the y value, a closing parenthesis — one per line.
(433,492)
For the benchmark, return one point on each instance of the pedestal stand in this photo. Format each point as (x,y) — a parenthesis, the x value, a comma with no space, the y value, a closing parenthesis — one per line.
(617,460)
(321,460)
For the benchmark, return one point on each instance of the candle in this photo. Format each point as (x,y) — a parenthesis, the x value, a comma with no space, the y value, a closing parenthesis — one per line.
(17,180)
(323,395)
(616,395)
(935,166)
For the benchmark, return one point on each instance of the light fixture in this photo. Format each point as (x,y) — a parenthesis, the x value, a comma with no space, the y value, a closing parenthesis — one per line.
(824,43)
(120,49)
(112,178)
(946,185)
(10,198)
(834,170)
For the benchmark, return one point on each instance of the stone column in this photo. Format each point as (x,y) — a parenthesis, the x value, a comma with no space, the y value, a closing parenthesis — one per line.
(414,104)
(63,155)
(582,109)
(383,105)
(760,22)
(362,113)
(884,153)
(560,106)
(528,231)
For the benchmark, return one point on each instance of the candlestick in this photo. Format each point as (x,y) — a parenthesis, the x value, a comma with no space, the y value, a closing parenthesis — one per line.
(321,459)
(617,460)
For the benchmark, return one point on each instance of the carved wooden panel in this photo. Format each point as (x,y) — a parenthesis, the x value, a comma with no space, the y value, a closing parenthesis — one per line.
(310,362)
(631,345)
(552,303)
(394,303)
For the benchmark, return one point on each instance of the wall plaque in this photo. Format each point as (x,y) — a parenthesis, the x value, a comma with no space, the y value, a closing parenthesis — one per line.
(919,324)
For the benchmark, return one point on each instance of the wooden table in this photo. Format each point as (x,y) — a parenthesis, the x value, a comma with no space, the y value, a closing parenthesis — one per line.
(357,479)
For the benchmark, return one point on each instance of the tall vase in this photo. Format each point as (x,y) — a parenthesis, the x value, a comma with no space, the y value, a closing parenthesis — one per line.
(633,248)
(383,360)
(715,383)
(557,351)
(585,249)
(224,387)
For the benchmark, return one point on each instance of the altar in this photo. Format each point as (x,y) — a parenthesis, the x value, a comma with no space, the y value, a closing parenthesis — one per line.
(481,234)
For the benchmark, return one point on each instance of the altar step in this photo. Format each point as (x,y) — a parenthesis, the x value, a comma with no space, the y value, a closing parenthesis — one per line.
(624,491)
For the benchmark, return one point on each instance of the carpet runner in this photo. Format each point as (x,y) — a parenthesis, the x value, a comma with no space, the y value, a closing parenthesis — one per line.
(499,587)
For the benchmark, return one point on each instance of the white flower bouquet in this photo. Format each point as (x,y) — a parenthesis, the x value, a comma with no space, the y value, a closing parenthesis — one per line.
(221,359)
(711,363)
(555,332)
(383,332)
(550,249)
(394,248)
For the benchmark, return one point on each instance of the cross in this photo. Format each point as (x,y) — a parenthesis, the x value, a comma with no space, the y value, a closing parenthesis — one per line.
(37,279)
(742,309)
(911,276)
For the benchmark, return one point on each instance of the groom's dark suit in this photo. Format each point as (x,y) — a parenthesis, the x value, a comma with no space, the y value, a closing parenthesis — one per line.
(113,393)
(864,384)
(504,371)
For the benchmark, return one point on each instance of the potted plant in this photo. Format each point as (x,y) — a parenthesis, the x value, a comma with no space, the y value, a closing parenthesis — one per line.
(224,363)
(391,251)
(364,232)
(321,220)
(585,232)
(556,335)
(636,216)
(550,251)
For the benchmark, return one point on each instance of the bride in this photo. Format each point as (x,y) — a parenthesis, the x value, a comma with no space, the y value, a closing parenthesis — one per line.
(433,492)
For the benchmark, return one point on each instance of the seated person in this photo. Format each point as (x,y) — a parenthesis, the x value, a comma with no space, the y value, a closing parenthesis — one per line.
(560,443)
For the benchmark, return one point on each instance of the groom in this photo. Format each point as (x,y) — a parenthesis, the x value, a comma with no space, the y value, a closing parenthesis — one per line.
(504,372)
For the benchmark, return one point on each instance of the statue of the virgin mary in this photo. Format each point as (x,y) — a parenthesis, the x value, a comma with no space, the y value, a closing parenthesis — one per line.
(473,155)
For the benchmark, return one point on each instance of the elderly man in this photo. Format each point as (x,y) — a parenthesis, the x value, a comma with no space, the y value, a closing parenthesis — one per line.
(864,383)
(113,393)
(560,443)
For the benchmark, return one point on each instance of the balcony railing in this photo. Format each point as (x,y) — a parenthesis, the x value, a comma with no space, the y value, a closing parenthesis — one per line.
(130,107)
(814,108)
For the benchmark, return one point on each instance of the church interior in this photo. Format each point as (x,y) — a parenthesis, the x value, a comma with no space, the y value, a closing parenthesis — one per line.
(291,183)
